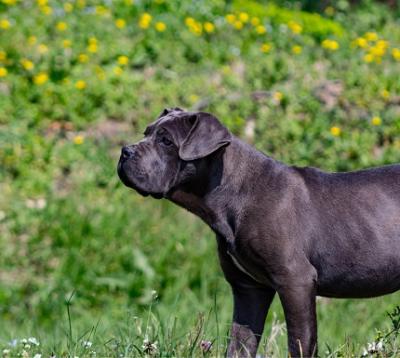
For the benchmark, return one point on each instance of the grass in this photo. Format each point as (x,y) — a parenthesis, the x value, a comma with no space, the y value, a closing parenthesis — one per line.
(81,257)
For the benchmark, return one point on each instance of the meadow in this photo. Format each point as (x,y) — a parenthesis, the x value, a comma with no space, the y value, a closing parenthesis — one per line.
(89,268)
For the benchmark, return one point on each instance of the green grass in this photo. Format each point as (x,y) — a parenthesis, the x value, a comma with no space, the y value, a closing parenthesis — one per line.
(71,232)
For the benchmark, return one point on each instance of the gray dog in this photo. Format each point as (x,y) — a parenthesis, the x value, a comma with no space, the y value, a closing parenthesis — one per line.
(299,232)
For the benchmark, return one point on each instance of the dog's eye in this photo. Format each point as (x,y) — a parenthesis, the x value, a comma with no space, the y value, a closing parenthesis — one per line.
(165,141)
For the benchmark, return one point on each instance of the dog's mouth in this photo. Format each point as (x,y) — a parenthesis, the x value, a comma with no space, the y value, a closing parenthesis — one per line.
(127,181)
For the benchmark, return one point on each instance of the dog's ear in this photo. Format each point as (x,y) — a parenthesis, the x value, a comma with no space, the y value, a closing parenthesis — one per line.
(168,110)
(206,135)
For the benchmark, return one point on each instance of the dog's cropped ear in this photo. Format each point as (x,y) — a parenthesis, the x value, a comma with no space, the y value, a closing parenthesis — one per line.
(206,135)
(168,110)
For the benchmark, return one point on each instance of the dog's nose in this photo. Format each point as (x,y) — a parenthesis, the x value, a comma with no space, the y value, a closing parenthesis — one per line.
(127,152)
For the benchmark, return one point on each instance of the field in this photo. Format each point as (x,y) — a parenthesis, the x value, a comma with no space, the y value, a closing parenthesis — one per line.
(89,268)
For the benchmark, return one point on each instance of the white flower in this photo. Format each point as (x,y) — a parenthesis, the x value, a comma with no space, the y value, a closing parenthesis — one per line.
(6,352)
(24,341)
(37,355)
(87,344)
(33,341)
(149,348)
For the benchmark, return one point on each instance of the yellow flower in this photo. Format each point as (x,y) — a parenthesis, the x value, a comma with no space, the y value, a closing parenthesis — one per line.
(3,72)
(255,21)
(68,7)
(81,3)
(61,26)
(336,131)
(79,139)
(66,43)
(41,78)
(396,54)
(371,36)
(382,44)
(102,10)
(330,44)
(47,10)
(277,96)
(361,42)
(83,58)
(376,121)
(4,24)
(244,17)
(42,49)
(368,58)
(209,27)
(295,27)
(120,23)
(92,47)
(27,64)
(330,10)
(160,26)
(189,21)
(42,2)
(297,50)
(123,60)
(385,94)
(238,25)
(260,29)
(80,85)
(196,28)
(230,18)
(265,47)
(193,98)
(9,2)
(3,56)
(32,40)
(377,51)
(117,70)
(145,20)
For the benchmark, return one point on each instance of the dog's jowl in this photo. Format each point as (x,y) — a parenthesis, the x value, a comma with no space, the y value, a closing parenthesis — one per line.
(297,232)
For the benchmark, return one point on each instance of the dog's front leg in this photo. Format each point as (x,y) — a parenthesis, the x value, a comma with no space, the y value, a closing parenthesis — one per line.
(298,301)
(251,304)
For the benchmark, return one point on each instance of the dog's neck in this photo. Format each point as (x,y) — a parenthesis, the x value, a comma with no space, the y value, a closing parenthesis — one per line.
(227,174)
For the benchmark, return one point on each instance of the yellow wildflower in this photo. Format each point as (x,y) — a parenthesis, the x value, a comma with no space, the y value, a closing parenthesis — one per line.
(42,2)
(376,121)
(382,44)
(117,70)
(336,131)
(189,21)
(61,26)
(260,29)
(371,36)
(66,43)
(255,21)
(396,54)
(68,7)
(265,47)
(101,10)
(120,23)
(361,42)
(377,51)
(160,26)
(3,56)
(277,96)
(193,98)
(42,49)
(83,58)
(92,47)
(32,40)
(80,85)
(238,25)
(27,64)
(295,27)
(41,78)
(385,94)
(368,58)
(47,10)
(123,60)
(79,139)
(244,17)
(145,20)
(5,24)
(9,2)
(297,50)
(3,72)
(209,27)
(330,44)
(230,18)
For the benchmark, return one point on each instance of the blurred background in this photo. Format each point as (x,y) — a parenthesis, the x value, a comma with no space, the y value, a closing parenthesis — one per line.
(88,267)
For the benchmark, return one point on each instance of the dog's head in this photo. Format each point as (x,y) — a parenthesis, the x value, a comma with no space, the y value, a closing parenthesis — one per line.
(171,152)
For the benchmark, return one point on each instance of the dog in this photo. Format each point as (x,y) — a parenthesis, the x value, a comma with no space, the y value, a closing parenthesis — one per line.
(298,232)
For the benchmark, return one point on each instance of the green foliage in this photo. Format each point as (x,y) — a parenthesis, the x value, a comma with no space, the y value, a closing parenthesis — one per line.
(72,236)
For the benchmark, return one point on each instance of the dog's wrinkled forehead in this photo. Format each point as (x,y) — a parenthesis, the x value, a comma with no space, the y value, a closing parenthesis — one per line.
(176,121)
